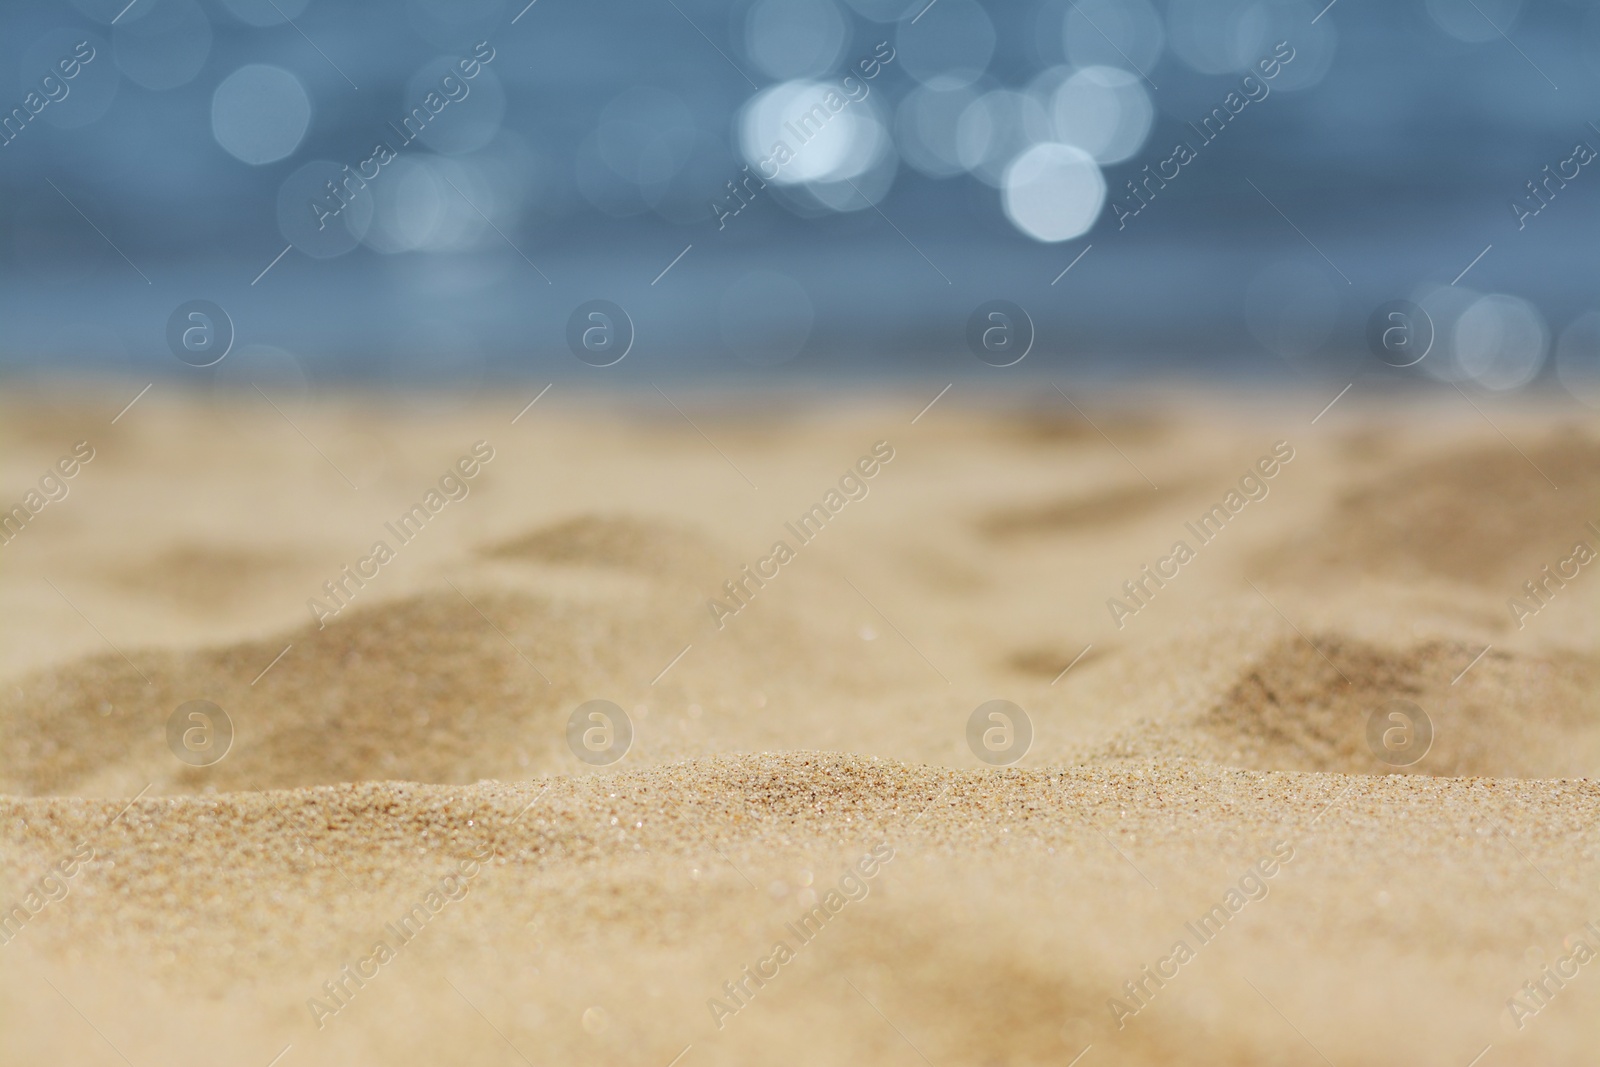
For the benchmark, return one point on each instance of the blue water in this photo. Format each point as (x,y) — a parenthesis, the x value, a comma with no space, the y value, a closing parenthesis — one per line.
(1397,168)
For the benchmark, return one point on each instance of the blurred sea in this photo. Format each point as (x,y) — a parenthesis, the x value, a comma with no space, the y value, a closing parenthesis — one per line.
(591,159)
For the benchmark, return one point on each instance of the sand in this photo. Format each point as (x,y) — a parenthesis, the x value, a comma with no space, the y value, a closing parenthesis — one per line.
(1199,859)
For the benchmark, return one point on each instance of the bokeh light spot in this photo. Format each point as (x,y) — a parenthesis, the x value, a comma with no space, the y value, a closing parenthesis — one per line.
(162,44)
(948,46)
(1054,192)
(1104,111)
(260,113)
(794,38)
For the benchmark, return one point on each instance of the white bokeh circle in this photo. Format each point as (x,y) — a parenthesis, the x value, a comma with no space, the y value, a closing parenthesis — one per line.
(260,113)
(1104,111)
(1053,192)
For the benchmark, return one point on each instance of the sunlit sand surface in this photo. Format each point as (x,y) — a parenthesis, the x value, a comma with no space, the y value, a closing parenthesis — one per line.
(1203,857)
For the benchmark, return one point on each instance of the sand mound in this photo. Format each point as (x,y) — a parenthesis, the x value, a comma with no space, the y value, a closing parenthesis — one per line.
(434,687)
(663,549)
(1047,663)
(1091,511)
(423,689)
(1301,708)
(1482,515)
(1060,424)
(200,577)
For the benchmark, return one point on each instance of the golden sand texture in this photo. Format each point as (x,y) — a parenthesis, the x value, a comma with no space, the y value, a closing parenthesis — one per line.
(1200,859)
(1412,518)
(1014,908)
(1292,710)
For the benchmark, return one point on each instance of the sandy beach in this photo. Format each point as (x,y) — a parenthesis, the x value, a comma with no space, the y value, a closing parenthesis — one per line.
(1308,714)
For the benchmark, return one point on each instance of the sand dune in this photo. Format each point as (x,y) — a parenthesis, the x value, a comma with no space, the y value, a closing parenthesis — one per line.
(654,547)
(1302,705)
(1484,515)
(1204,774)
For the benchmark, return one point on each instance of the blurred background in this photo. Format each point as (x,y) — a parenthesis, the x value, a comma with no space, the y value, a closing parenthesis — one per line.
(436,191)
